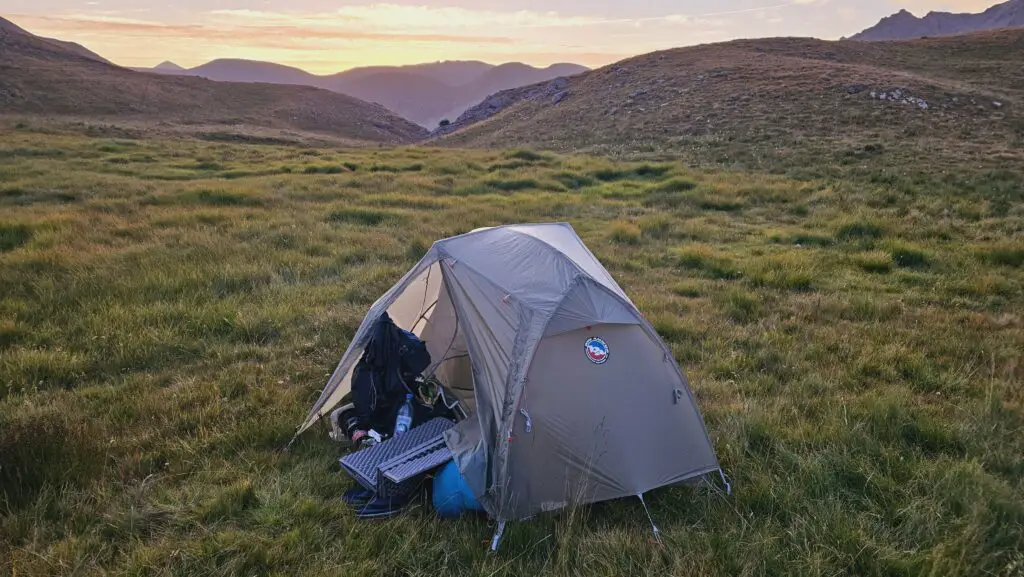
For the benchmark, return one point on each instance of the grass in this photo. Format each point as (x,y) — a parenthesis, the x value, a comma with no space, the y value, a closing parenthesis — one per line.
(13,235)
(857,361)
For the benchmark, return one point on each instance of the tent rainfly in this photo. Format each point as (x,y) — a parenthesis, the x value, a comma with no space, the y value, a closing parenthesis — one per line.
(574,398)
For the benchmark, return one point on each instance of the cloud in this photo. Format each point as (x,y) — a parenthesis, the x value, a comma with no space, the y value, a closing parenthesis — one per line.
(408,16)
(131,27)
(411,16)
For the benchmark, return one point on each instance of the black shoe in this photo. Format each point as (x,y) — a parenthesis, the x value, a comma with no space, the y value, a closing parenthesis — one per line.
(357,497)
(382,507)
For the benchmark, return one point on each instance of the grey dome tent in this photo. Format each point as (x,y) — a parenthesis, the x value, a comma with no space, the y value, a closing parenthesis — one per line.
(574,398)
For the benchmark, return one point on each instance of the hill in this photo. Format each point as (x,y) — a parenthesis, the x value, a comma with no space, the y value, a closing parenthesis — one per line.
(76,49)
(239,70)
(168,66)
(423,93)
(772,102)
(38,76)
(904,26)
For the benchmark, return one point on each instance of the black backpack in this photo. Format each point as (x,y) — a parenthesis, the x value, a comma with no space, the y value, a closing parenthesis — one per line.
(392,358)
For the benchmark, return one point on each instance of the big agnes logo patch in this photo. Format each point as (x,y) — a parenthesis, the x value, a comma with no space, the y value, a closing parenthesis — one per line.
(596,350)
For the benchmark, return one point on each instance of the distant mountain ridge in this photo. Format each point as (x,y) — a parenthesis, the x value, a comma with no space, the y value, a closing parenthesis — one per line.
(424,93)
(61,79)
(905,26)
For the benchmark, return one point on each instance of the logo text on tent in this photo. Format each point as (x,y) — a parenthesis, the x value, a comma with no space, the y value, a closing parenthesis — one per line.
(596,350)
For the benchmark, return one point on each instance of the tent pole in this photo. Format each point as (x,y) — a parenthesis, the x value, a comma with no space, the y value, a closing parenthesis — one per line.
(654,528)
(498,532)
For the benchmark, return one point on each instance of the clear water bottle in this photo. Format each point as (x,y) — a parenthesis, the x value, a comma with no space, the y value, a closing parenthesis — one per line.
(404,419)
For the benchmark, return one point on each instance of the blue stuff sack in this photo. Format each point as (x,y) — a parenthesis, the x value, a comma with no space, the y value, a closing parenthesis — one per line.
(452,496)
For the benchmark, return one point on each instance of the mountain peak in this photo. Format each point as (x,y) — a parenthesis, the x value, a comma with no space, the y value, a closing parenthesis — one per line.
(169,66)
(904,26)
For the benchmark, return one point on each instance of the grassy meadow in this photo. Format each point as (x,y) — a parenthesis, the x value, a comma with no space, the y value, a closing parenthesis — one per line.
(169,310)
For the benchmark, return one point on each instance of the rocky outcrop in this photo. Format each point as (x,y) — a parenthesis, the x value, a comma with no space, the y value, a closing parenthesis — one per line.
(555,91)
(900,95)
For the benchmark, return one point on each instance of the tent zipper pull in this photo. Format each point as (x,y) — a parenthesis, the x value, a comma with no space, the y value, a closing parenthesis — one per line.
(529,422)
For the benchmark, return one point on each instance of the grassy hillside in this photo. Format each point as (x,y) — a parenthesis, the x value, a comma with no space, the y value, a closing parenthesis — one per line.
(39,77)
(782,103)
(170,309)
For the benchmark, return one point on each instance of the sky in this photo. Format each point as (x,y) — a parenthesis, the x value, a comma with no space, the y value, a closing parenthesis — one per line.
(326,36)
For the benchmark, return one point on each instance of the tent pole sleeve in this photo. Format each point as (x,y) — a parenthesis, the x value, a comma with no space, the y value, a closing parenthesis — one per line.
(654,528)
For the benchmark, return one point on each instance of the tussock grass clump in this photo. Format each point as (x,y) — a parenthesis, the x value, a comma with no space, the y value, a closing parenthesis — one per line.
(624,232)
(324,169)
(1003,255)
(740,306)
(860,229)
(414,167)
(28,368)
(13,235)
(363,216)
(40,450)
(802,239)
(688,289)
(513,184)
(229,502)
(876,261)
(674,185)
(909,256)
(713,202)
(657,226)
(789,271)
(673,331)
(205,196)
(573,180)
(706,260)
(674,193)
(528,155)
(205,165)
(31,153)
(643,171)
(652,170)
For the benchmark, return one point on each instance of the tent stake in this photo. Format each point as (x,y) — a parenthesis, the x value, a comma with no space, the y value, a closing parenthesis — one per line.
(728,487)
(498,532)
(654,528)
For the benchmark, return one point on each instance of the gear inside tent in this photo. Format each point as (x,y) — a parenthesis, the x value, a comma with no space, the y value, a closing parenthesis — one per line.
(571,395)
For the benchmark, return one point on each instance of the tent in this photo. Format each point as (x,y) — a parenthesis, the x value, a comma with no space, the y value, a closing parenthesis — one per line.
(574,398)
